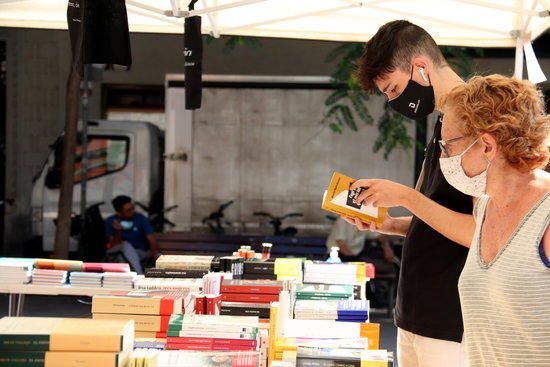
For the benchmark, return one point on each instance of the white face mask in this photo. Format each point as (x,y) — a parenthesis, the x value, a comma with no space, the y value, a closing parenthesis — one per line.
(454,174)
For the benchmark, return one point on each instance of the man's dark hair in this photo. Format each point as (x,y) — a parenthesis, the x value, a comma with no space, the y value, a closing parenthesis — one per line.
(393,47)
(120,201)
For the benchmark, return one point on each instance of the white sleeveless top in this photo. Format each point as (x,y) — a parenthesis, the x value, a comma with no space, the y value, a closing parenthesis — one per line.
(506,303)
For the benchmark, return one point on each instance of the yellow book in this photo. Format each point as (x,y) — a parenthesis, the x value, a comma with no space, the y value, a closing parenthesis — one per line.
(339,199)
(274,320)
(152,323)
(85,359)
(371,331)
(67,335)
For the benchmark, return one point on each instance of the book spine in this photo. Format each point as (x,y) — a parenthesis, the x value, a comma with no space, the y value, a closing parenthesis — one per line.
(185,346)
(200,305)
(174,273)
(329,362)
(213,328)
(23,359)
(213,341)
(213,304)
(240,311)
(252,289)
(24,342)
(219,335)
(85,359)
(132,306)
(252,298)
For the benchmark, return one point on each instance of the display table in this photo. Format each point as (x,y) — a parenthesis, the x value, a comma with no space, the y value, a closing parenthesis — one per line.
(17,292)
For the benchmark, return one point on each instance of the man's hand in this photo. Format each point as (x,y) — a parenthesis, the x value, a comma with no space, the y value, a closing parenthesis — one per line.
(382,193)
(116,225)
(387,227)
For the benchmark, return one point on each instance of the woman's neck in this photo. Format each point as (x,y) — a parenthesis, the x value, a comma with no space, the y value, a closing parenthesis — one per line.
(506,185)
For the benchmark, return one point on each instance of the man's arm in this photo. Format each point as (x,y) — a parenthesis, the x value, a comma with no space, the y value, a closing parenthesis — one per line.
(116,233)
(344,249)
(153,245)
(458,227)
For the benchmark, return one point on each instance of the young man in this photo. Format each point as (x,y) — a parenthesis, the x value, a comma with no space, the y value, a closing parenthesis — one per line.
(403,61)
(130,233)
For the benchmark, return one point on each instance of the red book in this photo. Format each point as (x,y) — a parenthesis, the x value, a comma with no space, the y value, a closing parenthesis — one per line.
(255,287)
(370,271)
(200,305)
(213,305)
(250,298)
(171,346)
(212,341)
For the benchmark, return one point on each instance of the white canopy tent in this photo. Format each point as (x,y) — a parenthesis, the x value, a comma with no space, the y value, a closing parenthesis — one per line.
(476,23)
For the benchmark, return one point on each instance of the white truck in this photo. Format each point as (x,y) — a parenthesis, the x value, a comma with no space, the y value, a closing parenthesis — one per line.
(125,158)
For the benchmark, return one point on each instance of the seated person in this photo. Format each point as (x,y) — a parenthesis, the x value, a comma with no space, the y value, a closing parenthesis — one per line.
(130,233)
(357,245)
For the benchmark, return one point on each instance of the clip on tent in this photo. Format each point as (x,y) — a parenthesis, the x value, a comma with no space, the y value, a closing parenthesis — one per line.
(470,23)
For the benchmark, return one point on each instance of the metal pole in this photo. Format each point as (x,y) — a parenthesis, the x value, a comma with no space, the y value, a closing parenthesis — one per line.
(84,160)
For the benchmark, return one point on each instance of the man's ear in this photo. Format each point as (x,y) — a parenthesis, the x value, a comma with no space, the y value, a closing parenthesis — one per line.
(421,68)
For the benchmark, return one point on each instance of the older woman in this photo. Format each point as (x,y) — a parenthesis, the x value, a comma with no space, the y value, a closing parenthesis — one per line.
(493,144)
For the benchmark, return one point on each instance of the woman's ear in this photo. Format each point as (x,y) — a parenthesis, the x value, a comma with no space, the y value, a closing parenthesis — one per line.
(490,146)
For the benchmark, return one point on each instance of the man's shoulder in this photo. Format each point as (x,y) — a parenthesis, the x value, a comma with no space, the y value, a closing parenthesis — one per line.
(140,218)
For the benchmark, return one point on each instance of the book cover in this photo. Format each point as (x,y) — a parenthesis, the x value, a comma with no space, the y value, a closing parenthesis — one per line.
(250,286)
(240,311)
(259,267)
(62,359)
(213,304)
(59,334)
(53,264)
(248,297)
(339,199)
(255,276)
(200,305)
(138,303)
(142,322)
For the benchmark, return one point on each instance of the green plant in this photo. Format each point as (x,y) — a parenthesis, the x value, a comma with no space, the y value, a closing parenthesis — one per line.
(346,106)
(233,42)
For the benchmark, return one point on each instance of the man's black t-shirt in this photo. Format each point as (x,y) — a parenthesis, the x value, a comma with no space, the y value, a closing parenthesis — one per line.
(427,302)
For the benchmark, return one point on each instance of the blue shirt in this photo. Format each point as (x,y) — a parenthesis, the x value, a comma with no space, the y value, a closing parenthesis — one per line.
(136,235)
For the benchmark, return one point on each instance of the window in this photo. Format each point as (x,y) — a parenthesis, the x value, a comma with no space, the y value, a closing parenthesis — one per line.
(105,155)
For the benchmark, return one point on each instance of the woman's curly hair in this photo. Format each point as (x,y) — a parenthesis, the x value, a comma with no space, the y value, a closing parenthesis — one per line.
(509,109)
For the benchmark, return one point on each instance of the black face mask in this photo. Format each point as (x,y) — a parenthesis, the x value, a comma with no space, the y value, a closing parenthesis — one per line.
(416,102)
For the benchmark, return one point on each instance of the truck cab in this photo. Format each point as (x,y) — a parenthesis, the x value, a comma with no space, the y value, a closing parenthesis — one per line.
(124,158)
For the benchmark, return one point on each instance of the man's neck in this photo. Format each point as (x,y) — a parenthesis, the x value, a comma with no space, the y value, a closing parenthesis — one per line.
(444,80)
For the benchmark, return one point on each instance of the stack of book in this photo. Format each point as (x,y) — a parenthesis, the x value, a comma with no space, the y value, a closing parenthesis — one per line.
(289,269)
(115,280)
(348,310)
(233,265)
(327,273)
(183,358)
(49,277)
(150,311)
(324,292)
(204,332)
(87,280)
(15,271)
(58,342)
(254,270)
(249,297)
